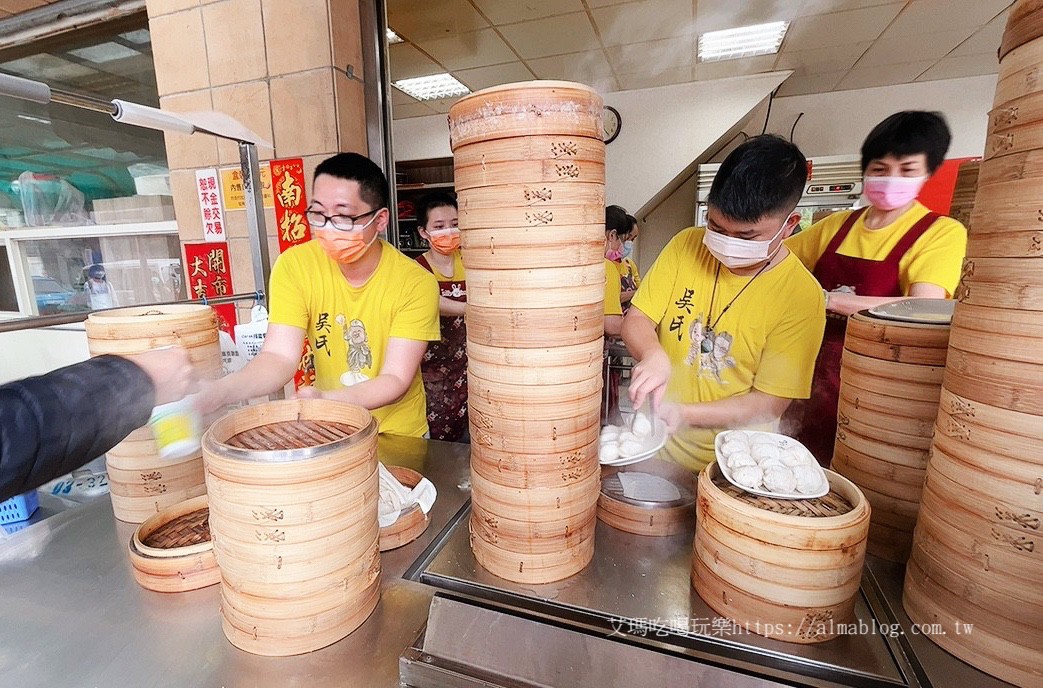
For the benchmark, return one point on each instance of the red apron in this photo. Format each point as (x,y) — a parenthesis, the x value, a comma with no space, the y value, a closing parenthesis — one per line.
(818,415)
(444,369)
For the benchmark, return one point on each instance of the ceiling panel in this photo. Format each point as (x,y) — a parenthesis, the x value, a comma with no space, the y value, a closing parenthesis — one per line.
(842,28)
(826,6)
(469,50)
(568,33)
(939,15)
(985,40)
(665,54)
(511,11)
(413,109)
(715,15)
(643,21)
(926,46)
(484,77)
(954,67)
(870,77)
(408,62)
(821,60)
(584,67)
(811,83)
(662,77)
(728,68)
(419,20)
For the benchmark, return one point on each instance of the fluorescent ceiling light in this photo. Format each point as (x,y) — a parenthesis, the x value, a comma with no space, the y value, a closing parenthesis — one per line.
(746,41)
(139,37)
(432,87)
(393,37)
(104,52)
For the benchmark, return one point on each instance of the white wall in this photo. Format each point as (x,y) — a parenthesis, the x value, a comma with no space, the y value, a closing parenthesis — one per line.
(34,352)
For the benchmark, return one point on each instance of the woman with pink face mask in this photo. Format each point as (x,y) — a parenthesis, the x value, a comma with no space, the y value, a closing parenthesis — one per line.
(444,368)
(895,248)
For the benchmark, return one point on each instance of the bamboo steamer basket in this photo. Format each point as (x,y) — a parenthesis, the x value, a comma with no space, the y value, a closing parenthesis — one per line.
(920,412)
(898,457)
(532,537)
(1000,295)
(853,422)
(542,396)
(536,327)
(499,403)
(500,213)
(852,406)
(512,248)
(535,504)
(999,321)
(531,108)
(1024,24)
(1005,479)
(1027,165)
(172,551)
(552,287)
(550,470)
(1013,426)
(137,509)
(643,518)
(995,345)
(254,457)
(561,148)
(522,436)
(892,370)
(536,366)
(865,328)
(533,569)
(994,381)
(894,480)
(735,531)
(528,172)
(412,523)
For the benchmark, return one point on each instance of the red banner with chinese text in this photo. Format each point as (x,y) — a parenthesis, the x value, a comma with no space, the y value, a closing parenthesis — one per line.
(291,202)
(209,276)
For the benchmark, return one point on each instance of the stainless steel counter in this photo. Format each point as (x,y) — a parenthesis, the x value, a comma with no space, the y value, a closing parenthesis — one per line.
(72,615)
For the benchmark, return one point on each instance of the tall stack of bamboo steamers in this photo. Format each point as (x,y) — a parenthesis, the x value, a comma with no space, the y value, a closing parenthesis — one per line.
(530,173)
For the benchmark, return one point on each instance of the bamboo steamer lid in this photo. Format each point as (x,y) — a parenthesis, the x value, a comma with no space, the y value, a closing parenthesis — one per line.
(560,148)
(823,537)
(412,523)
(172,551)
(531,108)
(536,327)
(528,172)
(297,450)
(1024,24)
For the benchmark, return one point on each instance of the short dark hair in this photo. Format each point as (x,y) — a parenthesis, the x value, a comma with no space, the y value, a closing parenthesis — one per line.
(437,199)
(908,133)
(352,167)
(617,220)
(763,176)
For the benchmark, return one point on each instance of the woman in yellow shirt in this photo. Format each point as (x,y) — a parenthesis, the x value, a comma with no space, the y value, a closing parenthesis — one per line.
(890,250)
(445,364)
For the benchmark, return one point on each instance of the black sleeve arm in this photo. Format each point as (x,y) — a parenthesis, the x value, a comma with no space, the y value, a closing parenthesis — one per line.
(53,424)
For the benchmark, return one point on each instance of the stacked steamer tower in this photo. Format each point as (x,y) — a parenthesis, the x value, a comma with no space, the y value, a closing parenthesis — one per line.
(977,555)
(530,172)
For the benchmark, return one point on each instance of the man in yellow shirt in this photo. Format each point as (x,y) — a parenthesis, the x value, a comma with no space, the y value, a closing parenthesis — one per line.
(726,324)
(368,310)
(893,249)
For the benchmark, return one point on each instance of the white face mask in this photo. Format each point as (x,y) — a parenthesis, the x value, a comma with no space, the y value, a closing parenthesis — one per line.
(741,253)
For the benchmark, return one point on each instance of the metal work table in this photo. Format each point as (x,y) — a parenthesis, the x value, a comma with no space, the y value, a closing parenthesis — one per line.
(72,615)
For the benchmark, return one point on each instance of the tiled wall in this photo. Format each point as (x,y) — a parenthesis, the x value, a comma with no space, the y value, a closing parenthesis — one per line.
(278,66)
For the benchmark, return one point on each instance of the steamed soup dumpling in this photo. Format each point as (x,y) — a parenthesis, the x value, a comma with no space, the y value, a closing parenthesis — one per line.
(740,459)
(756,439)
(630,447)
(733,446)
(779,479)
(609,451)
(748,476)
(808,478)
(609,432)
(642,426)
(795,456)
(626,436)
(767,463)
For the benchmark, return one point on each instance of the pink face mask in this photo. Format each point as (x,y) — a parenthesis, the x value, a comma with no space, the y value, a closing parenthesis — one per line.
(891,193)
(615,255)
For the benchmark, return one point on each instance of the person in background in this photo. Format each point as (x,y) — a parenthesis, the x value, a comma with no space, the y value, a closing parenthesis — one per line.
(444,368)
(368,310)
(892,249)
(629,277)
(726,324)
(617,225)
(99,290)
(54,423)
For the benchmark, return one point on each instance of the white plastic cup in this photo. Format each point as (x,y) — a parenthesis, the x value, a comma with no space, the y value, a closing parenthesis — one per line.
(177,429)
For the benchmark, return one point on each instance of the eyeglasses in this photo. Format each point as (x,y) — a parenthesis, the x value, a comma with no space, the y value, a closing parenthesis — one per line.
(344,223)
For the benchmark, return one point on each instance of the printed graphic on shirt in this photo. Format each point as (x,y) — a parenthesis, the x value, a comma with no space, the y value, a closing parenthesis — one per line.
(709,351)
(359,354)
(455,291)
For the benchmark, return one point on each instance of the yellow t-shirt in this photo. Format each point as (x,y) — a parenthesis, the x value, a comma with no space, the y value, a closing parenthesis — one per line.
(458,270)
(628,269)
(612,289)
(935,258)
(349,327)
(767,340)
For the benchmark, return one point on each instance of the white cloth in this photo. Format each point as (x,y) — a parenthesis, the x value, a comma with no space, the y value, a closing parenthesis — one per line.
(645,487)
(396,497)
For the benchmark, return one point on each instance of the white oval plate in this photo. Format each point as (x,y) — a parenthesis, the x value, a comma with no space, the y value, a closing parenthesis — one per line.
(653,443)
(922,311)
(784,442)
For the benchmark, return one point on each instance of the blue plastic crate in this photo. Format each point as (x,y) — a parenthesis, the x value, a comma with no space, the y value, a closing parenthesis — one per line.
(19,508)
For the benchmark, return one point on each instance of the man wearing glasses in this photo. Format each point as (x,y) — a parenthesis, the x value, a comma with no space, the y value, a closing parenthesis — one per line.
(368,310)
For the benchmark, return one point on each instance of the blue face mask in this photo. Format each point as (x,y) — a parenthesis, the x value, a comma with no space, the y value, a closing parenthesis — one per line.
(628,248)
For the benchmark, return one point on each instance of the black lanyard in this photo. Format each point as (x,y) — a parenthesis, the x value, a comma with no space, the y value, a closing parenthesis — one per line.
(711,327)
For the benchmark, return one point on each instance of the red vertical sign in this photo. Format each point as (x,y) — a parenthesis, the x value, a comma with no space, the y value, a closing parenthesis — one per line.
(209,276)
(291,203)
